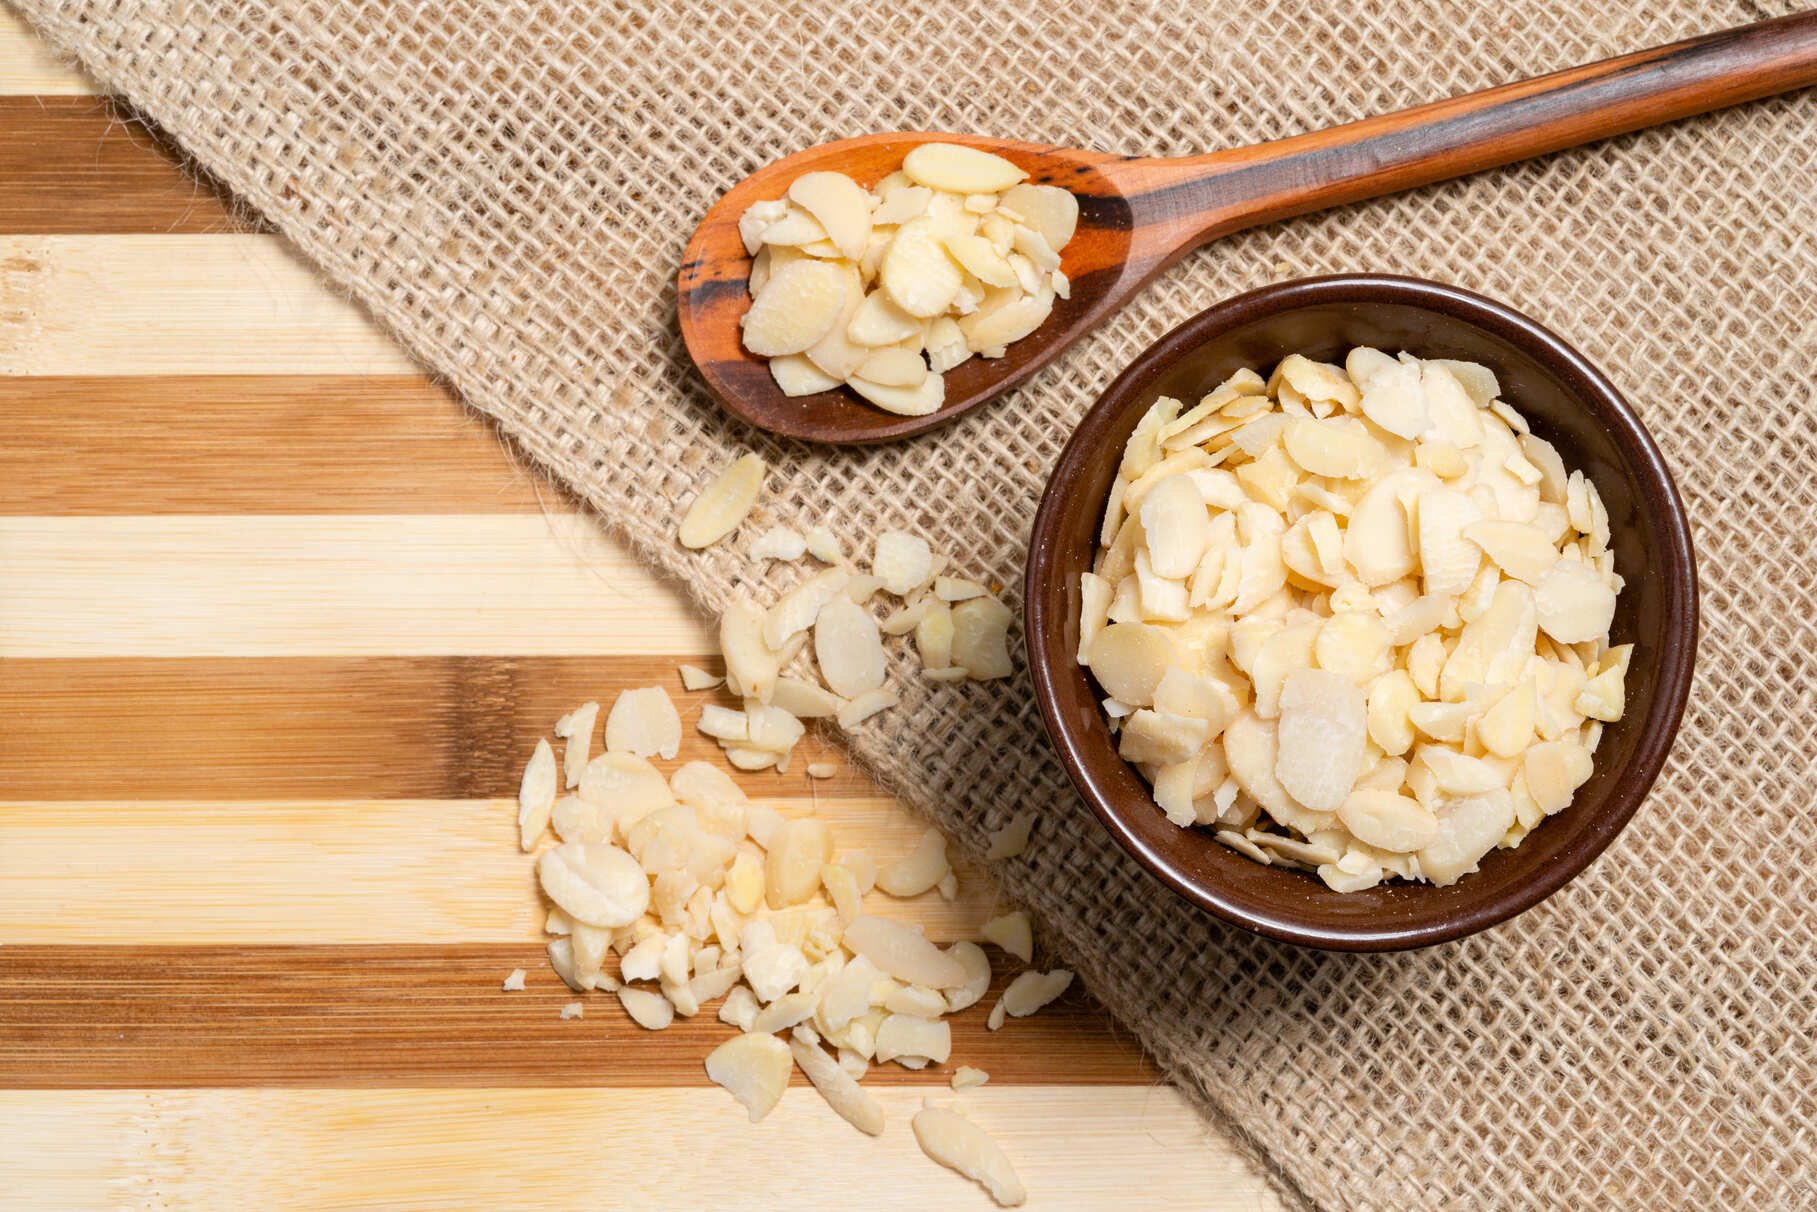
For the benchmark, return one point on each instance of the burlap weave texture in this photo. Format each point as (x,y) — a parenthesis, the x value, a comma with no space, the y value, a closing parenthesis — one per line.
(509,186)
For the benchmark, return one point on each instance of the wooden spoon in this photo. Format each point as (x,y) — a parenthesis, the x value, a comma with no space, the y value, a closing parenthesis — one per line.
(1138,216)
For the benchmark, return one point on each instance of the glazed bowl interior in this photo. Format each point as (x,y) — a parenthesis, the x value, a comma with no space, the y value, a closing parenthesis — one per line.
(1567,402)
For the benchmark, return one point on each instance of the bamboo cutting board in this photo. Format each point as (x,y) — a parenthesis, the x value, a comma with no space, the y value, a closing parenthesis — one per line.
(279,624)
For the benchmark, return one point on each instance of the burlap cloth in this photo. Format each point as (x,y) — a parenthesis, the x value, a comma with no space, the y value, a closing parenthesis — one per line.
(509,187)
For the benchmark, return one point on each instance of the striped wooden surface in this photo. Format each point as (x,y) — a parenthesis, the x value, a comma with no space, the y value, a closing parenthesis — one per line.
(279,621)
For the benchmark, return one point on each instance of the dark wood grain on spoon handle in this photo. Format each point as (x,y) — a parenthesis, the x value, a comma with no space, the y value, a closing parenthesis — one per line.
(1179,204)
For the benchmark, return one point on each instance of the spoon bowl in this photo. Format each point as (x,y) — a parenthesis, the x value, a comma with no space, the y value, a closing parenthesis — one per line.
(715,268)
(1137,215)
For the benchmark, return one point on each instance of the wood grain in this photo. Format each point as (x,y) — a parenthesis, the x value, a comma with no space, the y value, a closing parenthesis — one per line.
(209,728)
(30,68)
(1079,1149)
(181,907)
(254,444)
(177,305)
(365,872)
(406,1015)
(283,585)
(88,165)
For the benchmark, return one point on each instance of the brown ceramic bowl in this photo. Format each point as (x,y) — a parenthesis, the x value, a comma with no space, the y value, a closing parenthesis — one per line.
(1569,403)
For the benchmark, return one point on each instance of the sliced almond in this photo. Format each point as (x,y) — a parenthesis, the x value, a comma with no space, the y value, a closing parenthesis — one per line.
(755,1068)
(917,401)
(903,953)
(960,170)
(796,611)
(958,1144)
(969,956)
(577,729)
(911,1035)
(796,375)
(1520,550)
(723,503)
(651,1011)
(1388,821)
(1014,933)
(893,367)
(866,705)
(918,871)
(1330,448)
(1030,991)
(796,308)
(644,722)
(1554,771)
(849,648)
(1048,209)
(536,794)
(791,868)
(981,638)
(840,204)
(918,274)
(1448,561)
(1393,398)
(878,322)
(594,883)
(1575,602)
(751,663)
(852,1102)
(1323,728)
(991,327)
(1176,526)
(626,784)
(1469,828)
(903,561)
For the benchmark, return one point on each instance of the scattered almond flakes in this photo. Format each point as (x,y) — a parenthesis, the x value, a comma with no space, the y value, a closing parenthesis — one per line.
(723,503)
(959,1144)
(1032,990)
(1012,839)
(967,1078)
(1014,933)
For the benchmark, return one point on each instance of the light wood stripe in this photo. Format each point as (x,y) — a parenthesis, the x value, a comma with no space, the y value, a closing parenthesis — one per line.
(194,585)
(254,444)
(28,66)
(164,305)
(438,728)
(360,1016)
(1134,1149)
(86,165)
(157,872)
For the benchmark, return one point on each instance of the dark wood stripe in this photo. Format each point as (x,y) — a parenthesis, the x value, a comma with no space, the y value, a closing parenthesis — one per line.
(254,444)
(80,1017)
(320,727)
(88,166)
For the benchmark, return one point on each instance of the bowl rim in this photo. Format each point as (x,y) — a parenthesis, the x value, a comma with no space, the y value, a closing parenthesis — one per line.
(1041,596)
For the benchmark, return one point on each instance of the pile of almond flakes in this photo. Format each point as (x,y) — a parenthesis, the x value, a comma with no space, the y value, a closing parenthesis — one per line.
(701,894)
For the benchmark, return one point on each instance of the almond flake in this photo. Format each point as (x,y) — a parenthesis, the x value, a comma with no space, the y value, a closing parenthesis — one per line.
(536,795)
(755,1068)
(644,722)
(1014,933)
(958,1144)
(723,503)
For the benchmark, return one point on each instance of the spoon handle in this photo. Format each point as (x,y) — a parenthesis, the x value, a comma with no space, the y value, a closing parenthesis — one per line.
(1178,204)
